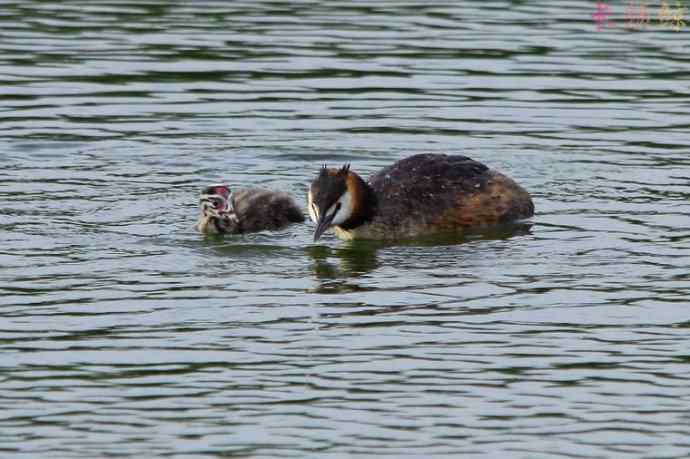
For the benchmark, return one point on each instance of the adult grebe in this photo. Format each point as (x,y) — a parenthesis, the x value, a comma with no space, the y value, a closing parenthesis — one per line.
(420,195)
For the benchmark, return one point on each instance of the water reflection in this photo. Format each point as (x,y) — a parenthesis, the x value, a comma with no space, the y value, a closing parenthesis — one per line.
(354,259)
(358,258)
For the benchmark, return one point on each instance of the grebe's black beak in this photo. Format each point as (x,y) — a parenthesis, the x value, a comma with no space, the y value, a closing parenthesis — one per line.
(323,224)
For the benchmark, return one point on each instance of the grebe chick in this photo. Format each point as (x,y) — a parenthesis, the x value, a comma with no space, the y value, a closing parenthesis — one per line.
(245,210)
(420,195)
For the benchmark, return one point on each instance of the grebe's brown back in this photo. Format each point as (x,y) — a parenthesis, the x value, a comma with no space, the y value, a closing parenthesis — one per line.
(419,195)
(245,210)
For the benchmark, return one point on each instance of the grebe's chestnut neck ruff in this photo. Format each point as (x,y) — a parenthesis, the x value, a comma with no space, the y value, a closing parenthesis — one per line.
(420,195)
(245,210)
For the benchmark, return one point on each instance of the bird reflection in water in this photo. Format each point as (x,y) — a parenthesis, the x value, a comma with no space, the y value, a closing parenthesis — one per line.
(356,258)
(337,268)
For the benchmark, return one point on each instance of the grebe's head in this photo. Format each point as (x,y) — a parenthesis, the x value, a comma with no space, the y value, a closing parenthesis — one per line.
(331,198)
(215,201)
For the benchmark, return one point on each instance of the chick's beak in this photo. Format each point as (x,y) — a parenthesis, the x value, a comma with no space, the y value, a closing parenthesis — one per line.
(322,225)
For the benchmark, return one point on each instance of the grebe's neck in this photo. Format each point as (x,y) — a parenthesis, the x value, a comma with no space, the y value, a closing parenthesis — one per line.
(364,202)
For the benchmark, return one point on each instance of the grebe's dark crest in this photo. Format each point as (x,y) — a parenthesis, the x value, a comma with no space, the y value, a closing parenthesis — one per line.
(422,194)
(245,210)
